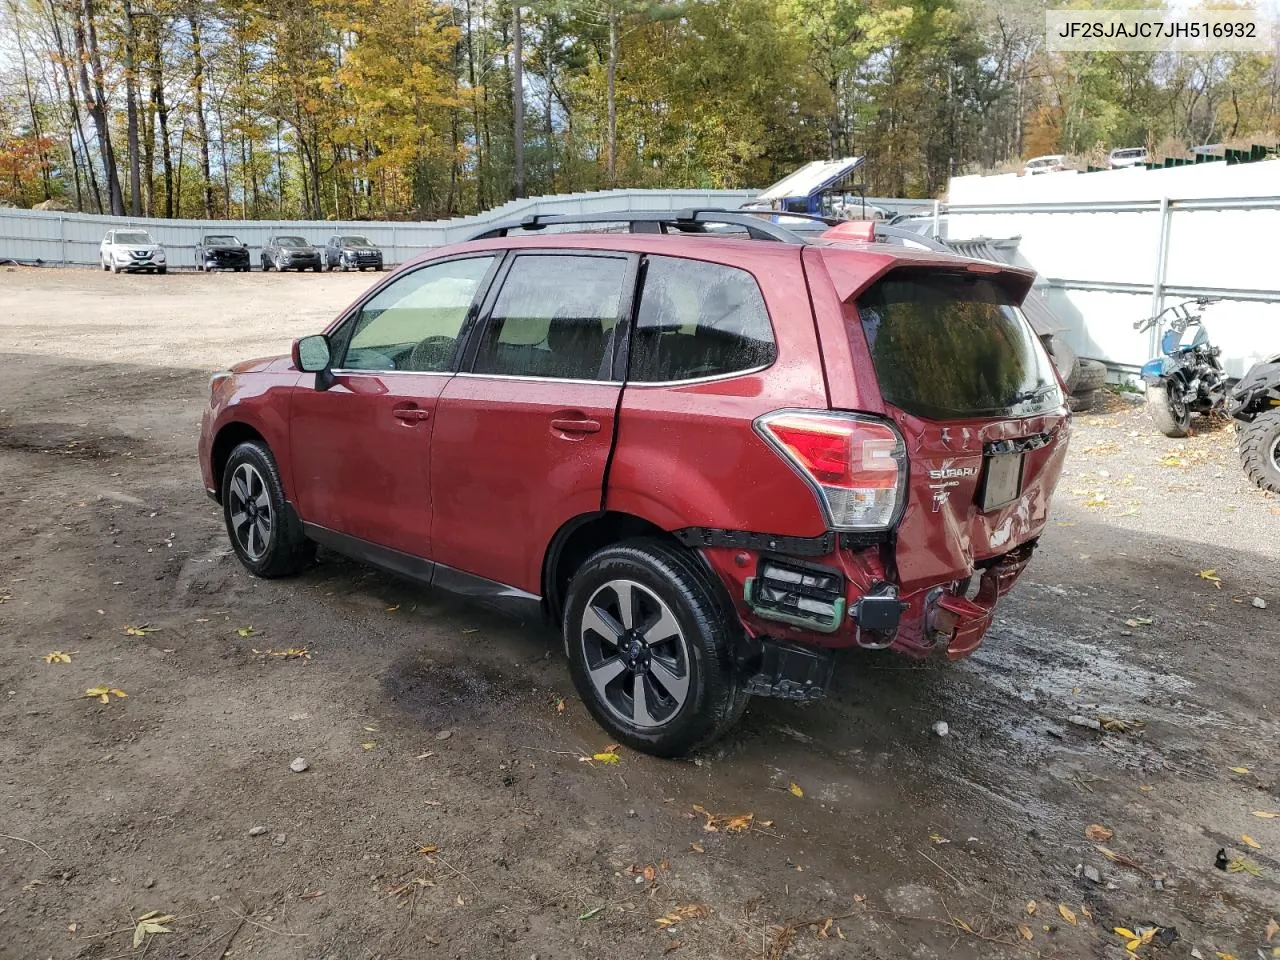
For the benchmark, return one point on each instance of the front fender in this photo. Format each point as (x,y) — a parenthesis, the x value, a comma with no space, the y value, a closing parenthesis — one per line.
(1156,370)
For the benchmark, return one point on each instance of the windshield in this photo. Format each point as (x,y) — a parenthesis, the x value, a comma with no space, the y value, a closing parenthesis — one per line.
(291,242)
(222,241)
(131,236)
(954,346)
(355,240)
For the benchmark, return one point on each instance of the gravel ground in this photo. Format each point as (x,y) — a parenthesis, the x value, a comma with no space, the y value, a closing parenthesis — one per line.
(446,810)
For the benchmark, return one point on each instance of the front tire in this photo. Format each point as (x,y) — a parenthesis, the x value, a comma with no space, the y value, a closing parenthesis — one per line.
(1260,450)
(162,271)
(1171,417)
(316,268)
(649,641)
(264,531)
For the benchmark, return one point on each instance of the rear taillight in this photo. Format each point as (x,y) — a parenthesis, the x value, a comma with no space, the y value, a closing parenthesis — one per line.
(856,465)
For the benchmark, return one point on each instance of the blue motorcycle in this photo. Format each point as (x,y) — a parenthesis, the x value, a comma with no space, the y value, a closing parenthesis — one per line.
(1188,378)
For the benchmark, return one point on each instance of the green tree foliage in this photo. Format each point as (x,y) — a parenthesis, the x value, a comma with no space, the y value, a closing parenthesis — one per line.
(404,108)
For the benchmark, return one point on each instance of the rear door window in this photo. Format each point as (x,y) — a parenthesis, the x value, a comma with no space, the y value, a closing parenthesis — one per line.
(555,317)
(955,346)
(697,319)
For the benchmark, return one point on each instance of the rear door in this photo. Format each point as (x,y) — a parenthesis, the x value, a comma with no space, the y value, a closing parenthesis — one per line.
(522,437)
(978,403)
(361,450)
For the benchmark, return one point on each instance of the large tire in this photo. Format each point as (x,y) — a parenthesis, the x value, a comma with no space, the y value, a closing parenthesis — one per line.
(1082,402)
(1260,450)
(678,654)
(1171,421)
(264,531)
(162,271)
(1093,374)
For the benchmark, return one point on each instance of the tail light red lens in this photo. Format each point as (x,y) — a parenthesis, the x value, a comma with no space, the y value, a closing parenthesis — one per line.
(856,465)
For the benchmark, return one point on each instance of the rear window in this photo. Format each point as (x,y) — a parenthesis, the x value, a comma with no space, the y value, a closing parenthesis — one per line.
(950,347)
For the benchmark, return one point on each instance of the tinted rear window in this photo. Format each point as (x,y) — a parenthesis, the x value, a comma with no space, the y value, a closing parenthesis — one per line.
(949,347)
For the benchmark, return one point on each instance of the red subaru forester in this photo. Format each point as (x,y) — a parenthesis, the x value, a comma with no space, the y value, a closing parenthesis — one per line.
(709,449)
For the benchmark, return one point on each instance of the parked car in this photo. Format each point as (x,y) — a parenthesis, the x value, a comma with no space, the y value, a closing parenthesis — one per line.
(1127,157)
(131,250)
(352,251)
(222,251)
(705,480)
(1054,163)
(290,253)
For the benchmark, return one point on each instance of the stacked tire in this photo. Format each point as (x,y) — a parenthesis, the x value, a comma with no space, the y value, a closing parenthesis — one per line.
(1083,377)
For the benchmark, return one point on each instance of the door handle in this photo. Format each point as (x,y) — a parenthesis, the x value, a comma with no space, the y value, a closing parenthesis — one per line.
(576,426)
(410,414)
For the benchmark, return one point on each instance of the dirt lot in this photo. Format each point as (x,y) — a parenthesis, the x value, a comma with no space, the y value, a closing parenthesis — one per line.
(432,726)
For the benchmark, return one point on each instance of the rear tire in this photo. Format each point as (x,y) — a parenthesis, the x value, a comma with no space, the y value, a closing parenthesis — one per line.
(162,271)
(1173,420)
(264,531)
(1260,450)
(677,656)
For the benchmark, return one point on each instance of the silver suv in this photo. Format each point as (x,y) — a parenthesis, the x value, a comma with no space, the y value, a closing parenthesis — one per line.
(131,250)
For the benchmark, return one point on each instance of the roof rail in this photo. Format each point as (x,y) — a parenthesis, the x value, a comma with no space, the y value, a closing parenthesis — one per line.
(691,220)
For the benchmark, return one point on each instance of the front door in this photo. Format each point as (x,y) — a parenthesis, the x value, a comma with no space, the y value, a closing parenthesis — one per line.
(523,437)
(361,450)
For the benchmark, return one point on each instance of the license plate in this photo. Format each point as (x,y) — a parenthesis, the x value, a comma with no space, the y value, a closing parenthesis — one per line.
(1003,480)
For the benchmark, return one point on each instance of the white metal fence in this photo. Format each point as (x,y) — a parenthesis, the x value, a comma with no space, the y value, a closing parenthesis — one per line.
(1114,247)
(73,238)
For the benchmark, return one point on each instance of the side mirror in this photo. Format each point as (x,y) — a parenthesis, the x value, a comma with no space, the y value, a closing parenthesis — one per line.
(311,355)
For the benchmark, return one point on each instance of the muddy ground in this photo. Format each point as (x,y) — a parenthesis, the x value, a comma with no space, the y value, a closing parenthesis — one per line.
(431,725)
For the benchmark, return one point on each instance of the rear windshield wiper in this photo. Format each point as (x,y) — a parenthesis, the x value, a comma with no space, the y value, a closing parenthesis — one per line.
(1027,396)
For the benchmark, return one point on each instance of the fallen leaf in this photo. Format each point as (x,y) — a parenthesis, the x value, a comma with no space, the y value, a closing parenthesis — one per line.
(671,947)
(716,822)
(368,746)
(1146,788)
(393,609)
(559,704)
(1097,500)
(1031,908)
(825,930)
(1211,576)
(590,913)
(1271,929)
(697,848)
(795,790)
(1098,833)
(423,756)
(859,898)
(1242,865)
(1225,956)
(245,631)
(150,923)
(688,911)
(1067,914)
(140,631)
(103,694)
(429,848)
(57,657)
(962,925)
(1248,841)
(1240,770)
(1084,911)
(371,727)
(1266,814)
(1139,622)
(938,838)
(608,757)
(649,873)
(313,895)
(1025,932)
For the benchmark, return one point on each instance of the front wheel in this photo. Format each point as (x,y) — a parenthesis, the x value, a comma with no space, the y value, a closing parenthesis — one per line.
(264,531)
(1171,416)
(1260,450)
(650,648)
(162,271)
(316,268)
